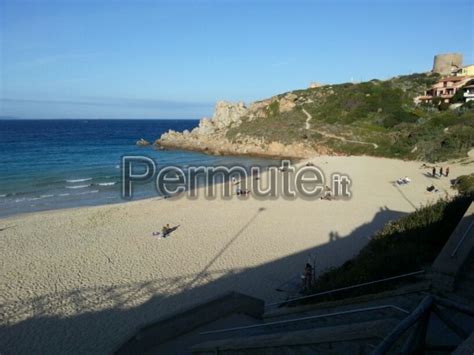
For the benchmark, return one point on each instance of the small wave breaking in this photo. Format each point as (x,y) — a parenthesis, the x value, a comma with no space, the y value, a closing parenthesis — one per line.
(78,180)
(107,183)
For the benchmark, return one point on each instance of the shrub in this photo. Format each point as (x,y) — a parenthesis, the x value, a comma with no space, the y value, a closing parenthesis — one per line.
(465,185)
(402,246)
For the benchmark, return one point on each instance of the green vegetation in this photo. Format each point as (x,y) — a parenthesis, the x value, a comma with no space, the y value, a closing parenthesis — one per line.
(409,244)
(274,124)
(465,185)
(380,112)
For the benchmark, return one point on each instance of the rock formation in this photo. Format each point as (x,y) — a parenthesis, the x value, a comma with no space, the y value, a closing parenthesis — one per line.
(142,142)
(210,135)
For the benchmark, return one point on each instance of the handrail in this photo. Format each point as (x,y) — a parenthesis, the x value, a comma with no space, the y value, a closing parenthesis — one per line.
(462,240)
(307,318)
(424,306)
(346,288)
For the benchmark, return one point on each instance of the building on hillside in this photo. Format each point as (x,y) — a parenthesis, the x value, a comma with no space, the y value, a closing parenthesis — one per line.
(469,92)
(444,89)
(467,70)
(314,85)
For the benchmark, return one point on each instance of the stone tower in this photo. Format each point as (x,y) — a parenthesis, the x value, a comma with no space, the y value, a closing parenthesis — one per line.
(445,63)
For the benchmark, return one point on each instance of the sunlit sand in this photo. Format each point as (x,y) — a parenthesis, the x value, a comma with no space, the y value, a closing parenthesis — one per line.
(85,279)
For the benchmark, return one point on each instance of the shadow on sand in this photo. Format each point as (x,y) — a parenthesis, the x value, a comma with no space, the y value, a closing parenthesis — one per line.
(86,328)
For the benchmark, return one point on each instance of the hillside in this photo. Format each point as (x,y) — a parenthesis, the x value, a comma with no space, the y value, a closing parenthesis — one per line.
(372,118)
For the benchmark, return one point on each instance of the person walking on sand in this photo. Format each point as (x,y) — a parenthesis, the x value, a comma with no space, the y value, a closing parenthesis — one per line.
(434,171)
(447,171)
(441,171)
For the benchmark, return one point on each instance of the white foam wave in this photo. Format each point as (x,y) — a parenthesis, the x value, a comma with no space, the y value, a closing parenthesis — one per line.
(88,192)
(39,198)
(79,180)
(107,183)
(62,195)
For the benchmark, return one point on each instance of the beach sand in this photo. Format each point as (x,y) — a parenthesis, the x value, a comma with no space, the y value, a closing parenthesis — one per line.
(85,279)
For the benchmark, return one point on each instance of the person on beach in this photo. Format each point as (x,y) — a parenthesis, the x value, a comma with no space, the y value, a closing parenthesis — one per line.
(165,230)
(434,171)
(447,171)
(307,277)
(242,192)
(441,171)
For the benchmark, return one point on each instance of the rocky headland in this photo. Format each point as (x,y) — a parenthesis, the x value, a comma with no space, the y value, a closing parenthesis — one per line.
(211,134)
(377,118)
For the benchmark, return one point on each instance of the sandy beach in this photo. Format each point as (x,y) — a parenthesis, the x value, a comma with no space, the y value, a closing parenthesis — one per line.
(85,279)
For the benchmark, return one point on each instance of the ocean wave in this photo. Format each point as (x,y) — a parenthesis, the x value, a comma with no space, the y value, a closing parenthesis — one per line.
(78,186)
(79,180)
(62,195)
(31,199)
(88,192)
(3,195)
(39,198)
(107,183)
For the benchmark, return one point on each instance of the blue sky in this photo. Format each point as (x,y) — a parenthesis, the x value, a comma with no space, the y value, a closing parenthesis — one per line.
(174,59)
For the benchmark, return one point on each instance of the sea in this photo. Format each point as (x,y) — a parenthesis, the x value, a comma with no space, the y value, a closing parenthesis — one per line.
(52,164)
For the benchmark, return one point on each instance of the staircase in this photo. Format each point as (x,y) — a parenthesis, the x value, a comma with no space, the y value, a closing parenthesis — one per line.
(335,327)
(464,287)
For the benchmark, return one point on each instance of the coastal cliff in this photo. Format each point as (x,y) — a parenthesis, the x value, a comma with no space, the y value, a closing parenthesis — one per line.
(211,134)
(377,118)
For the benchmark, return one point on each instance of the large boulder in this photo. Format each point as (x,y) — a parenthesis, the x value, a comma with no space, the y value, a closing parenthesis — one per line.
(227,113)
(206,127)
(287,102)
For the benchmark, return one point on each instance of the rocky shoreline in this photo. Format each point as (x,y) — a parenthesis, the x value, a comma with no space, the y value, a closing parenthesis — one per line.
(210,136)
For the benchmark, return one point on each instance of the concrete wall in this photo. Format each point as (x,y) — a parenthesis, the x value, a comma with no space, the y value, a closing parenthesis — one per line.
(450,262)
(188,320)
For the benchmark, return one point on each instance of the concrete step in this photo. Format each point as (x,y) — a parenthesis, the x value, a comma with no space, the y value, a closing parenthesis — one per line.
(343,339)
(322,319)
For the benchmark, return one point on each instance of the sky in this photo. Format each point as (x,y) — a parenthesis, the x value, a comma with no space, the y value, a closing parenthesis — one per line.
(175,59)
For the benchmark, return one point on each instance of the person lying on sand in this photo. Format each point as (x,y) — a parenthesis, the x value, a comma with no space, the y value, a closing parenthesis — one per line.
(164,231)
(405,180)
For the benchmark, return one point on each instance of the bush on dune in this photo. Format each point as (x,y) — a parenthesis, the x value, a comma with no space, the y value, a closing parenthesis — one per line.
(409,244)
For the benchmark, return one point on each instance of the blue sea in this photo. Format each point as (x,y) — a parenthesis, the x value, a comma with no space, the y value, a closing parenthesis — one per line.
(50,164)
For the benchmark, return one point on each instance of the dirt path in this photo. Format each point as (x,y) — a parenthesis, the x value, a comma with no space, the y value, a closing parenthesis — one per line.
(329,135)
(309,117)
